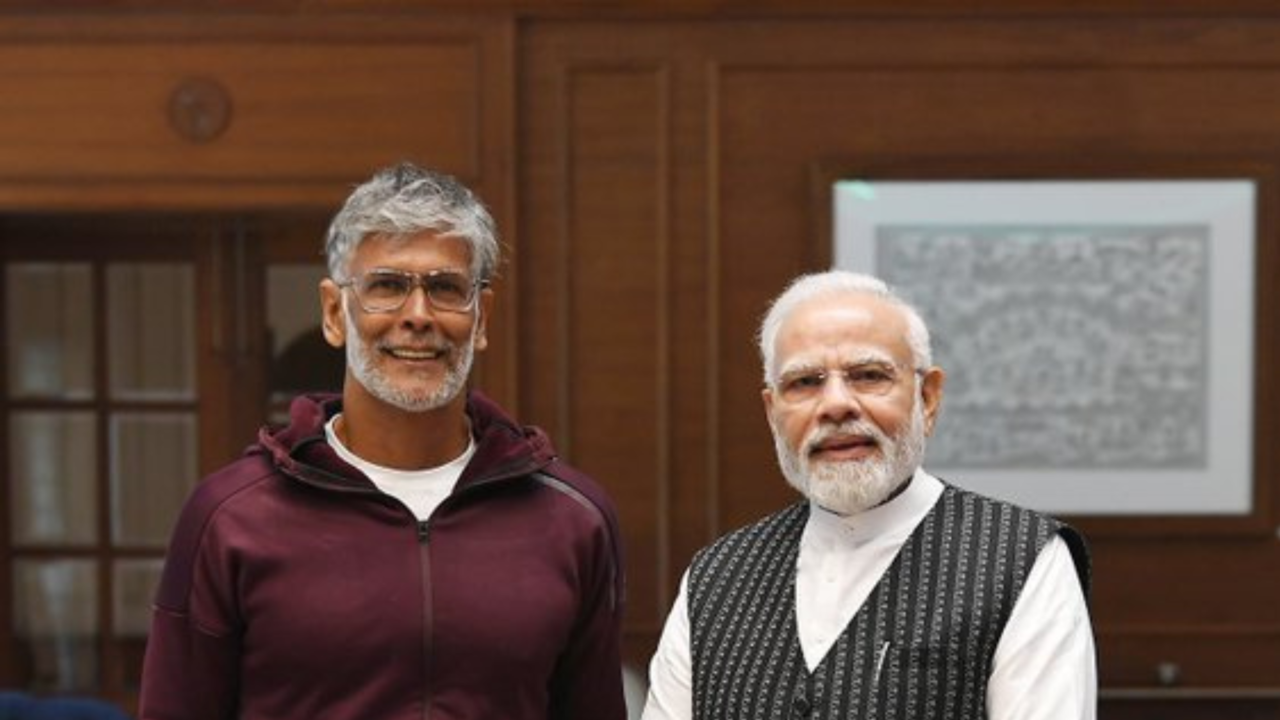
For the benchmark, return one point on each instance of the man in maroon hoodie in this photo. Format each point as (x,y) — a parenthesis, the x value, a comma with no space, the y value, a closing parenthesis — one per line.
(406,550)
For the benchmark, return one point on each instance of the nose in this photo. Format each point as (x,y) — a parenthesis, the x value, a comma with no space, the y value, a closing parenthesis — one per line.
(838,402)
(417,312)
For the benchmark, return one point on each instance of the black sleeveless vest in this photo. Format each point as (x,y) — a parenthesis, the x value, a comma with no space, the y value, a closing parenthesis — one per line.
(921,647)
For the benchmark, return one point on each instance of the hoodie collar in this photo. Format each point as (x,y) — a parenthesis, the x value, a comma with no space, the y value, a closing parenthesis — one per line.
(503,447)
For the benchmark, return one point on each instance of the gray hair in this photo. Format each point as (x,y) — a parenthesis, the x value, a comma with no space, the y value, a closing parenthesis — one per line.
(838,282)
(404,200)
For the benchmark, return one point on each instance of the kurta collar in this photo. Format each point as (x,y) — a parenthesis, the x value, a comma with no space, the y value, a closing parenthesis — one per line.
(896,518)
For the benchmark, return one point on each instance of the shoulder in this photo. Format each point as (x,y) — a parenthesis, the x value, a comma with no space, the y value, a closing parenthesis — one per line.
(771,530)
(749,562)
(1035,527)
(581,489)
(219,489)
(572,481)
(984,511)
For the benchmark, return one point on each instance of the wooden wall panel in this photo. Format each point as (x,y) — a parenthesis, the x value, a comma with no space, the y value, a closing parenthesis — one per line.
(98,111)
(313,103)
(602,318)
(756,106)
(617,371)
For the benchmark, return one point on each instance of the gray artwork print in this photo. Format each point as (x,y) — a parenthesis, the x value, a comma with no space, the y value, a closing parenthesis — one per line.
(1066,346)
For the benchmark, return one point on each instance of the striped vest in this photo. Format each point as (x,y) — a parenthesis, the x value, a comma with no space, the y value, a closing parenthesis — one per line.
(921,646)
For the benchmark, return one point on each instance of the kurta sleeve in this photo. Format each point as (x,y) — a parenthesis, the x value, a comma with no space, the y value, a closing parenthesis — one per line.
(670,670)
(1045,665)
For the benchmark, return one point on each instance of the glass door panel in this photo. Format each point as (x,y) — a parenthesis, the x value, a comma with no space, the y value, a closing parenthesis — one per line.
(153,468)
(301,359)
(139,352)
(101,404)
(50,343)
(150,338)
(56,623)
(52,475)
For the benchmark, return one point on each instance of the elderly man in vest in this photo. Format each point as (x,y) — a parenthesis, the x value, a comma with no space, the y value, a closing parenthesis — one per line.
(887,593)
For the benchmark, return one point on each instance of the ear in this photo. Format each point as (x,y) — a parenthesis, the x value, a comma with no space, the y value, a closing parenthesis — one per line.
(484,306)
(767,396)
(332,317)
(931,391)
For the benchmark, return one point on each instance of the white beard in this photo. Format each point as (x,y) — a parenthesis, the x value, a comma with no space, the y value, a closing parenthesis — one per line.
(850,487)
(361,359)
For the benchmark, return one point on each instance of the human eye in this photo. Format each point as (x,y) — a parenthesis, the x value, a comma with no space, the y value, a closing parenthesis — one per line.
(384,285)
(801,384)
(449,289)
(873,377)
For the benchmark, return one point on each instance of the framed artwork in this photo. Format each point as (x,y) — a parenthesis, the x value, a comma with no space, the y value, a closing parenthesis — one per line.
(1098,334)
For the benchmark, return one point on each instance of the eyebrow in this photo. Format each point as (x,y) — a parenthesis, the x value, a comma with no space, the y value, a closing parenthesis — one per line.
(804,366)
(401,271)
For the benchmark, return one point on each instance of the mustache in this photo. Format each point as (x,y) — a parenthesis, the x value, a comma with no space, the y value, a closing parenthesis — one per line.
(425,344)
(848,427)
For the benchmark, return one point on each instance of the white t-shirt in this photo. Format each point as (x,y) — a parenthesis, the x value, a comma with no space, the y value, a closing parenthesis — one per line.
(420,490)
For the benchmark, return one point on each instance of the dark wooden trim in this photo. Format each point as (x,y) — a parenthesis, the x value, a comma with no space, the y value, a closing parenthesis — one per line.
(8,664)
(680,9)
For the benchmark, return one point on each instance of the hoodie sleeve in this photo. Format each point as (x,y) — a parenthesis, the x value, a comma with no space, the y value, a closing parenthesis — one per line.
(192,664)
(189,673)
(588,679)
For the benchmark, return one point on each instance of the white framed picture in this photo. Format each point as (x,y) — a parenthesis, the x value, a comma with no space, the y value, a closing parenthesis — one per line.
(1098,335)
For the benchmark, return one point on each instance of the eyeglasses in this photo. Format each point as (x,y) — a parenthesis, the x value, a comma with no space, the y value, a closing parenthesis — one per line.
(867,379)
(383,291)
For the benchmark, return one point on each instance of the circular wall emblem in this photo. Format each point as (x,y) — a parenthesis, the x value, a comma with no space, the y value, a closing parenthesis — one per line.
(199,109)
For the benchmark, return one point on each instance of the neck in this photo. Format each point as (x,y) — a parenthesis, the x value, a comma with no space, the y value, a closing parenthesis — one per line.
(393,438)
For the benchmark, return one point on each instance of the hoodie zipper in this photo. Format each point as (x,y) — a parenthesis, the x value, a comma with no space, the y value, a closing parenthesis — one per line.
(428,606)
(424,555)
(315,476)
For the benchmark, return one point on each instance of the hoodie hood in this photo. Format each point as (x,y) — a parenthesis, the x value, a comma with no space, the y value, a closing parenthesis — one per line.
(504,448)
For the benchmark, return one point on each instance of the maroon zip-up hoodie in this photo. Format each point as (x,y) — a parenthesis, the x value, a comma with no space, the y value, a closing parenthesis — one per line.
(294,588)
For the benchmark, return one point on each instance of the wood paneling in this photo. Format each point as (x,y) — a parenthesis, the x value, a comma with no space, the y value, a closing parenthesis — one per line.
(604,380)
(696,9)
(104,111)
(753,108)
(615,379)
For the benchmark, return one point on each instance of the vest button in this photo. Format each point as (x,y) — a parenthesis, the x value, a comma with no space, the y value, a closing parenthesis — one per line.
(800,706)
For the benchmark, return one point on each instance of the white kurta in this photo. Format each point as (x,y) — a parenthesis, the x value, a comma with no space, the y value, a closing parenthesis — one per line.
(1045,664)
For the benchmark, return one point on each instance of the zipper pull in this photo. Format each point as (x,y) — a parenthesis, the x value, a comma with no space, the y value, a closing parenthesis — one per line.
(424,532)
